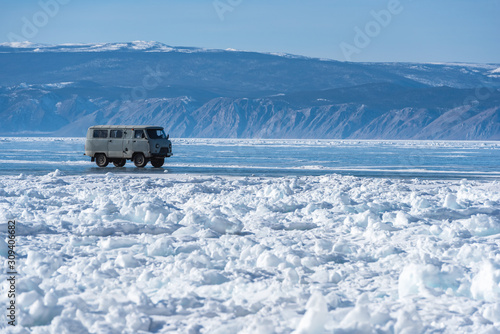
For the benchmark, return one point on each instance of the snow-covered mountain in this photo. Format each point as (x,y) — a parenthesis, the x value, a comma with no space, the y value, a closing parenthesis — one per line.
(193,92)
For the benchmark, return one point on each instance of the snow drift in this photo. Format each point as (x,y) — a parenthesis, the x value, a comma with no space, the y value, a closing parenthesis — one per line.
(128,254)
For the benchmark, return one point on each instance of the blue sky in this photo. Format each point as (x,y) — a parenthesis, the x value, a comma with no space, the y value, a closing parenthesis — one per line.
(416,31)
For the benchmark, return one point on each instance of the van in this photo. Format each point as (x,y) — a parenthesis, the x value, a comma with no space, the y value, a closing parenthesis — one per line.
(119,143)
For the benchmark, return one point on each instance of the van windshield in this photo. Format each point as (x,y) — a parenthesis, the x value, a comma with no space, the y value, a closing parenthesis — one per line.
(156,134)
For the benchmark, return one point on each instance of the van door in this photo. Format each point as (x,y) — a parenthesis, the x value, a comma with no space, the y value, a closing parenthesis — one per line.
(115,144)
(99,142)
(128,136)
(140,143)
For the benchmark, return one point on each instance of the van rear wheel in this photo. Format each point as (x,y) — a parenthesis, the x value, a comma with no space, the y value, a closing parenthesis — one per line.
(140,160)
(157,162)
(119,162)
(101,160)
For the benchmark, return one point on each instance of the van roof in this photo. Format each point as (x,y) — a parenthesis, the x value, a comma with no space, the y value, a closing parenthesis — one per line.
(125,127)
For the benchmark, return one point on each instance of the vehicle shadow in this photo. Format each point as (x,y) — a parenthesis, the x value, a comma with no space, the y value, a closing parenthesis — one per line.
(126,170)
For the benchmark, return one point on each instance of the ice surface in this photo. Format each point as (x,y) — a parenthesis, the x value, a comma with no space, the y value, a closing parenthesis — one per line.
(265,157)
(123,253)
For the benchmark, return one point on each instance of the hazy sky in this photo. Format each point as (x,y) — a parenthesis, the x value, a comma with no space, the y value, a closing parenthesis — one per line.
(356,30)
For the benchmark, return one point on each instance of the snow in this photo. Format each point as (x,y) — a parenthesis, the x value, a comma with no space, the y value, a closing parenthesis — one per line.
(128,253)
(316,315)
(25,44)
(146,46)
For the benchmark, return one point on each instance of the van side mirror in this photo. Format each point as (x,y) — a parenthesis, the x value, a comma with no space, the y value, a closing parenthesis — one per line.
(168,136)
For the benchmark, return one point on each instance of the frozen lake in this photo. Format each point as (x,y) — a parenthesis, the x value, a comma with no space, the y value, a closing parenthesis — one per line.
(310,244)
(167,253)
(246,157)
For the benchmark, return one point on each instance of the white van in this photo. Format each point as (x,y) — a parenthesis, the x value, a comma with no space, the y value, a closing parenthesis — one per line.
(119,143)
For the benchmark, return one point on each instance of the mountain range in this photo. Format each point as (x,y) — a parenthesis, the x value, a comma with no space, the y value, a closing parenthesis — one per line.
(60,90)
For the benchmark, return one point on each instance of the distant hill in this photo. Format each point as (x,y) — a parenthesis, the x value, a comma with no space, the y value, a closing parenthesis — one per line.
(192,92)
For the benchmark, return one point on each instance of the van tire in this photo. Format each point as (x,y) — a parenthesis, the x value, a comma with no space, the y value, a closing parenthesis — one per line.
(119,162)
(157,162)
(140,160)
(101,160)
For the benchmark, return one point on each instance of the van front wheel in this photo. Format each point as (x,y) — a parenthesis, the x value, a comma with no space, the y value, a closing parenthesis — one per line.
(158,162)
(101,160)
(140,160)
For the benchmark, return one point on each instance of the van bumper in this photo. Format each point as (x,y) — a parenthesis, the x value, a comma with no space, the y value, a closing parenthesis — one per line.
(159,155)
(164,152)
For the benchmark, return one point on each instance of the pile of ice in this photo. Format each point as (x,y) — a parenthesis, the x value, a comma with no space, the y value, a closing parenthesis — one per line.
(126,254)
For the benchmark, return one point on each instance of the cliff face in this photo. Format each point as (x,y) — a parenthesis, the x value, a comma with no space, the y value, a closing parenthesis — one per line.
(61,90)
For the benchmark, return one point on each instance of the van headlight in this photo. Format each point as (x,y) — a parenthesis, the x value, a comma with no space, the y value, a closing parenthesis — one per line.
(157,145)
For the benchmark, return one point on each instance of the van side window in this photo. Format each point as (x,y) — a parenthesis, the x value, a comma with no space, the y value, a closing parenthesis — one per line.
(100,133)
(138,134)
(116,134)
